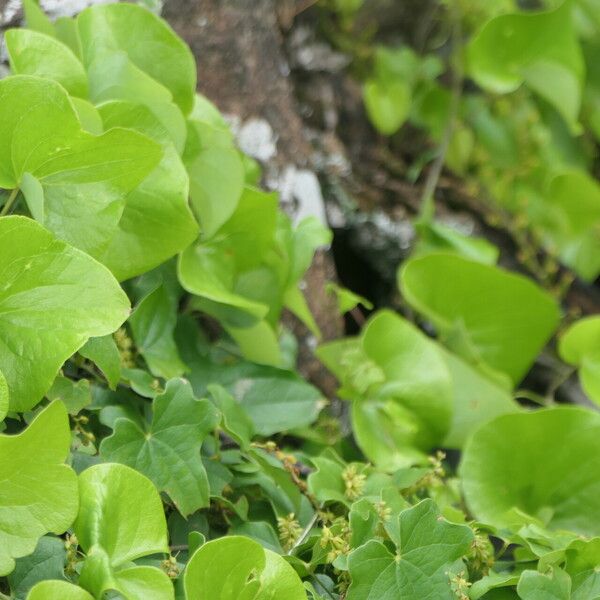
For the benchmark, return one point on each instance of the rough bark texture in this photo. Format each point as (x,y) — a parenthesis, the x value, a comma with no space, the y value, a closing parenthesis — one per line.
(242,67)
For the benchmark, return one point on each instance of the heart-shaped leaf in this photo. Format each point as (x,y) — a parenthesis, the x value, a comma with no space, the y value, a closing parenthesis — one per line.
(539,49)
(33,53)
(130,29)
(515,469)
(53,298)
(121,519)
(580,346)
(238,568)
(74,183)
(482,312)
(39,492)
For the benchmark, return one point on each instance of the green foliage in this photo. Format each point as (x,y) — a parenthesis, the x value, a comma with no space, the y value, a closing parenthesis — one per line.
(53,299)
(514,470)
(173,450)
(488,316)
(168,450)
(39,492)
(427,550)
(580,346)
(237,567)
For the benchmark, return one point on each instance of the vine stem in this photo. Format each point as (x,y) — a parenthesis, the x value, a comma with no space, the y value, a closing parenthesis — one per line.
(4,596)
(305,532)
(433,176)
(6,208)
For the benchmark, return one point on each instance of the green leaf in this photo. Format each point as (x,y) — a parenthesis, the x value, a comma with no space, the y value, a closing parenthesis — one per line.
(33,53)
(571,222)
(85,179)
(216,171)
(58,590)
(477,400)
(537,586)
(36,19)
(234,419)
(133,30)
(4,399)
(212,269)
(238,568)
(387,104)
(583,557)
(142,240)
(401,390)
(169,452)
(580,346)
(46,562)
(515,469)
(539,49)
(347,300)
(121,519)
(104,353)
(75,395)
(426,550)
(53,299)
(279,580)
(39,492)
(152,325)
(277,401)
(482,312)
(437,237)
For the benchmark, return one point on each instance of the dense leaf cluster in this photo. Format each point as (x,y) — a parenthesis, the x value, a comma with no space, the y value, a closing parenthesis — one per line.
(157,442)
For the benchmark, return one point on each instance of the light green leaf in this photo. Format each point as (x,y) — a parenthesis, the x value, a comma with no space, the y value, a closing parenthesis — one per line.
(33,53)
(121,519)
(533,585)
(4,399)
(437,237)
(403,405)
(53,299)
(104,353)
(540,49)
(279,580)
(84,178)
(216,177)
(427,548)
(132,29)
(571,222)
(387,103)
(583,558)
(46,562)
(515,469)
(212,269)
(258,343)
(347,300)
(482,312)
(120,512)
(477,400)
(88,116)
(113,77)
(169,452)
(36,19)
(238,568)
(580,346)
(58,590)
(142,240)
(39,492)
